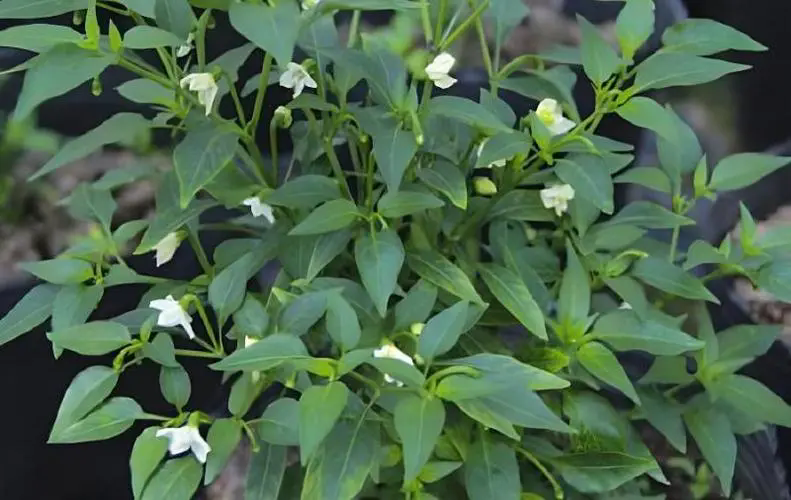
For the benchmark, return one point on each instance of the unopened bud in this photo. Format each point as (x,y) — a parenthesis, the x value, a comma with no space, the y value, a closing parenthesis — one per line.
(78,17)
(96,87)
(417,328)
(484,186)
(283,118)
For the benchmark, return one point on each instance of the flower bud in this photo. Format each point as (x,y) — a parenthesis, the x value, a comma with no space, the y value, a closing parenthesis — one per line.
(417,328)
(96,87)
(484,186)
(283,118)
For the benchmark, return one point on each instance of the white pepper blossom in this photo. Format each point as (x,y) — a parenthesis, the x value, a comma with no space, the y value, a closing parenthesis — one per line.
(557,198)
(172,314)
(438,69)
(204,85)
(392,352)
(166,248)
(551,115)
(186,47)
(258,208)
(297,78)
(181,439)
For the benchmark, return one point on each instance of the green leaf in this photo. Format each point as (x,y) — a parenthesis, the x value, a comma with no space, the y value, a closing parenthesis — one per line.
(434,471)
(223,438)
(603,364)
(668,370)
(87,203)
(416,306)
(73,304)
(744,169)
(574,299)
(508,370)
(177,479)
(599,60)
(661,274)
(168,221)
(142,7)
(175,386)
(649,216)
(503,146)
(319,409)
(88,388)
(161,350)
(150,37)
(56,72)
(646,113)
(650,177)
(448,180)
(147,452)
(601,471)
(712,432)
(252,317)
(418,422)
(244,391)
(200,156)
(746,341)
(379,257)
(665,415)
(264,354)
(491,471)
(108,420)
(399,370)
(280,422)
(703,37)
(394,149)
(145,91)
(175,16)
(466,111)
(227,289)
(401,203)
(442,331)
(92,339)
(754,399)
(624,331)
(37,37)
(681,153)
(399,5)
(507,15)
(306,256)
(438,270)
(672,69)
(521,205)
(342,322)
(634,25)
(513,294)
(274,29)
(774,279)
(25,9)
(328,477)
(590,179)
(265,475)
(32,310)
(59,271)
(302,313)
(519,406)
(330,216)
(305,191)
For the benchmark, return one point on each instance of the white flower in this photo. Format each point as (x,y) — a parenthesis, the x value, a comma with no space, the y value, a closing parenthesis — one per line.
(557,197)
(172,314)
(258,209)
(186,47)
(204,85)
(185,438)
(166,248)
(295,77)
(551,114)
(495,163)
(248,341)
(438,69)
(625,305)
(393,352)
(309,4)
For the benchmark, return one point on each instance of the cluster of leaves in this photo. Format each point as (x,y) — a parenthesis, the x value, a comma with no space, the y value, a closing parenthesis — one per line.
(507,311)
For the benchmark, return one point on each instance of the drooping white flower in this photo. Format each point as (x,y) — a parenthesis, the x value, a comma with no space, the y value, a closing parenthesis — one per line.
(186,47)
(438,69)
(204,85)
(496,163)
(258,208)
(392,352)
(551,115)
(309,4)
(557,197)
(166,248)
(297,78)
(181,439)
(172,314)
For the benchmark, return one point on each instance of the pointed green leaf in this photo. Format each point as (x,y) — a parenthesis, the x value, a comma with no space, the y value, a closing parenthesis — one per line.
(227,289)
(741,170)
(264,354)
(599,60)
(590,179)
(37,37)
(603,364)
(634,25)
(491,471)
(223,438)
(438,270)
(305,191)
(467,111)
(754,399)
(342,322)
(511,371)
(649,216)
(319,409)
(175,16)
(59,271)
(147,452)
(443,331)
(394,149)
(177,479)
(503,146)
(161,350)
(330,216)
(92,204)
(379,257)
(108,420)
(574,300)
(416,306)
(448,180)
(401,203)
(88,388)
(513,294)
(274,29)
(150,37)
(302,313)
(712,432)
(306,256)
(32,310)
(673,69)
(665,416)
(25,9)
(92,339)
(280,423)
(265,475)
(601,471)
(175,386)
(200,156)
(703,37)
(624,331)
(661,274)
(419,423)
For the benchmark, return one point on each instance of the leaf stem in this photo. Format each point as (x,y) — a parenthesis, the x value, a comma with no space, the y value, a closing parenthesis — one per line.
(354,28)
(200,253)
(263,83)
(337,170)
(197,354)
(543,470)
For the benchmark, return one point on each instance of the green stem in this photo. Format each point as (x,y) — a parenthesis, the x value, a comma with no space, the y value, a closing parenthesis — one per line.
(475,18)
(337,170)
(151,416)
(236,101)
(425,18)
(200,41)
(218,347)
(674,244)
(122,12)
(197,354)
(273,145)
(543,470)
(443,7)
(200,253)
(354,28)
(263,83)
